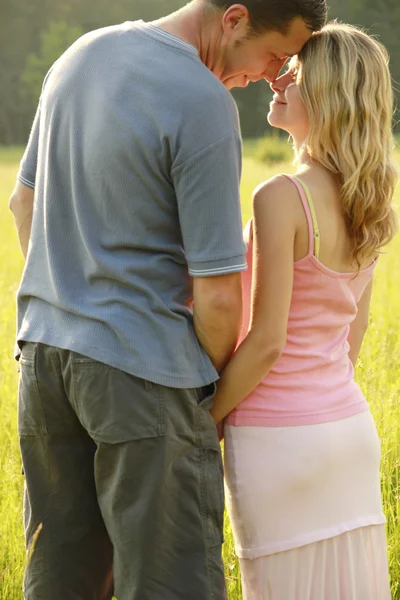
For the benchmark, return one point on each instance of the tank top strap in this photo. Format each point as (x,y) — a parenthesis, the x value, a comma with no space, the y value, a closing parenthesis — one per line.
(308,205)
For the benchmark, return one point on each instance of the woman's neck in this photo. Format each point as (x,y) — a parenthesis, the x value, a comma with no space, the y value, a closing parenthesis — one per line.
(303,159)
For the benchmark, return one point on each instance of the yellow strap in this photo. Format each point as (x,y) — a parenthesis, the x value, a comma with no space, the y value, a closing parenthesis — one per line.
(313,216)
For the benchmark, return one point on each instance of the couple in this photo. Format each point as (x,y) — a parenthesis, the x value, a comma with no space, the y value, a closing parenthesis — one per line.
(130,183)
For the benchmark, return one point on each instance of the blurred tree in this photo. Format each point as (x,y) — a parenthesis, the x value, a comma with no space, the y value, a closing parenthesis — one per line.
(54,41)
(20,25)
(28,45)
(253,103)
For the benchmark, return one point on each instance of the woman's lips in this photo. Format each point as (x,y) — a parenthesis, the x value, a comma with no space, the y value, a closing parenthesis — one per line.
(276,100)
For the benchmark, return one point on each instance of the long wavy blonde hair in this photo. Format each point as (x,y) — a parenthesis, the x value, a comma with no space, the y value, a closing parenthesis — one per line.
(345,84)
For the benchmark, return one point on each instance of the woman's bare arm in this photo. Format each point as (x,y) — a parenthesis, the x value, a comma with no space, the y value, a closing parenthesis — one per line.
(274,233)
(360,324)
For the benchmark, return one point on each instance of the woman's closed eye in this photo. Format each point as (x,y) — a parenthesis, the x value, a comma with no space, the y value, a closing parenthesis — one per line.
(293,72)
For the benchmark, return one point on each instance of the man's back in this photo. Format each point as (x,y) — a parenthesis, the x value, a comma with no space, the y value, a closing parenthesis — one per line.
(122,205)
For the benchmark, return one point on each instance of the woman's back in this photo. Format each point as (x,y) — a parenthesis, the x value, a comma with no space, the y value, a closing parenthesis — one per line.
(336,244)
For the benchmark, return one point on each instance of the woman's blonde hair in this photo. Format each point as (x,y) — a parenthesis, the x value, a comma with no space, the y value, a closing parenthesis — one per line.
(345,84)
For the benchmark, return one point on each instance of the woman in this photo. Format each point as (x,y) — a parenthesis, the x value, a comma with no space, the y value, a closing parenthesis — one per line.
(301,449)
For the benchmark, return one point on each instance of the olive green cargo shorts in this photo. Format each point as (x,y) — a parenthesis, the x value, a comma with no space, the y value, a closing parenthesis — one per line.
(124,484)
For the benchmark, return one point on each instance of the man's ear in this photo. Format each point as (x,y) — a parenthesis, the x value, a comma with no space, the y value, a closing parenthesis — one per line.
(236,21)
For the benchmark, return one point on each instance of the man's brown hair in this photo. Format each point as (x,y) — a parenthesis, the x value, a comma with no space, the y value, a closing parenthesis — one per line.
(267,15)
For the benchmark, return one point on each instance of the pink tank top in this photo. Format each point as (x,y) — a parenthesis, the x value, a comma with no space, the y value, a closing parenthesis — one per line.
(313,381)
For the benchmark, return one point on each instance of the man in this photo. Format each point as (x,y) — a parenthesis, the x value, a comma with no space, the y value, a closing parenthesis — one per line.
(127,208)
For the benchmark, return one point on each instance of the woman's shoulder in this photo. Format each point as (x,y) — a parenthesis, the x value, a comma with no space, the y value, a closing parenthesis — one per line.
(280,183)
(277,195)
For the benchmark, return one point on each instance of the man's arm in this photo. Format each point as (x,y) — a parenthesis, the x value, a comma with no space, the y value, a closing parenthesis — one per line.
(360,324)
(21,205)
(217,315)
(207,192)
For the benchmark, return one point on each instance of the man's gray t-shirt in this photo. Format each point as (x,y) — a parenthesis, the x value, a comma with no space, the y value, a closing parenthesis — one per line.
(135,158)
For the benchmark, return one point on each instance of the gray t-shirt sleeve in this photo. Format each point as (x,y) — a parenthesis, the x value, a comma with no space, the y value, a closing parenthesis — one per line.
(27,170)
(207,191)
(28,166)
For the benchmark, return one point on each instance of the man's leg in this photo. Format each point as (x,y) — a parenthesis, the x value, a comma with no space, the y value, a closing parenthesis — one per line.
(69,551)
(159,481)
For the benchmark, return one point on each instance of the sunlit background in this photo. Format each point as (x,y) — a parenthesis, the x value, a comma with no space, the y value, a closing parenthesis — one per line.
(32,37)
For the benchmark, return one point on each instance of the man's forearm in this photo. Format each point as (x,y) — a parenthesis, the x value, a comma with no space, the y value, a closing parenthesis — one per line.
(218,332)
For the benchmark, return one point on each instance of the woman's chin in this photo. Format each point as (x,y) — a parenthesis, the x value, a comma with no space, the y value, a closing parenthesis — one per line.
(273,120)
(276,122)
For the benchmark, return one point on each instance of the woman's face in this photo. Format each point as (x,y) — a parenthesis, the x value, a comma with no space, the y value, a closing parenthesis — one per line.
(287,110)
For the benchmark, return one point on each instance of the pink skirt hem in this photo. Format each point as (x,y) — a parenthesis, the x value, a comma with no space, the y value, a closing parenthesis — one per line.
(351,566)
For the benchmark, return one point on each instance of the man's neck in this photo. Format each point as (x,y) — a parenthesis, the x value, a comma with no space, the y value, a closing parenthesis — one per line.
(197,25)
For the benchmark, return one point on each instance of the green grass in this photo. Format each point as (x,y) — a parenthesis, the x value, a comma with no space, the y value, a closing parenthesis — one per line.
(378,373)
(11,481)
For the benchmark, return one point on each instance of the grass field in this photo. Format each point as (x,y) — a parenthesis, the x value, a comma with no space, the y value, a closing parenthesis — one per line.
(378,373)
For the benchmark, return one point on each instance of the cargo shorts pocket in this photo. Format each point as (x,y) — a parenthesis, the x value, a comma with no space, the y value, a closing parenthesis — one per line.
(114,406)
(212,494)
(211,469)
(31,417)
